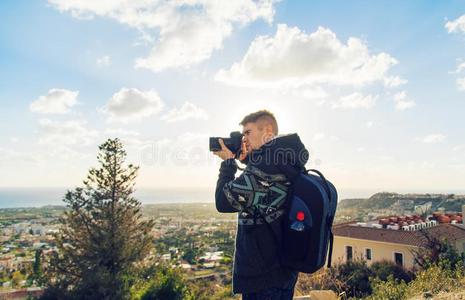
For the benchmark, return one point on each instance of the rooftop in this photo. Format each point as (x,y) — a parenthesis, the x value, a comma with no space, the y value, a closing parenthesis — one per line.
(451,232)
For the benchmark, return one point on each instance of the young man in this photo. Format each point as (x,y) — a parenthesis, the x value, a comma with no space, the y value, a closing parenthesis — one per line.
(259,195)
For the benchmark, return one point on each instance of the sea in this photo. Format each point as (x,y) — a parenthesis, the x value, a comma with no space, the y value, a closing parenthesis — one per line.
(38,197)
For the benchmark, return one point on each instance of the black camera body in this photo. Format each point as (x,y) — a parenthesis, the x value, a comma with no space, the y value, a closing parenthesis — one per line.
(233,143)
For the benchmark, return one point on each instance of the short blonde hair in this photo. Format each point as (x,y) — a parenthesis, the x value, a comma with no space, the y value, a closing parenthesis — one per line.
(261,116)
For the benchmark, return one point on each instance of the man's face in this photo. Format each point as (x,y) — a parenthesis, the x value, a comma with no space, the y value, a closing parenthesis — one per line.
(254,136)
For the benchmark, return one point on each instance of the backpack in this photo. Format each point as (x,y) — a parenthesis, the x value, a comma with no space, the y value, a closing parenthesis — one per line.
(312,200)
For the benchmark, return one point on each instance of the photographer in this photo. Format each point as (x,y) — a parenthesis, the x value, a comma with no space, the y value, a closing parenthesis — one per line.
(259,195)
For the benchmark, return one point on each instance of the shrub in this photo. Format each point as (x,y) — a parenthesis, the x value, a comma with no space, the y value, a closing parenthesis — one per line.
(351,277)
(434,280)
(438,250)
(391,289)
(382,269)
(437,278)
(167,283)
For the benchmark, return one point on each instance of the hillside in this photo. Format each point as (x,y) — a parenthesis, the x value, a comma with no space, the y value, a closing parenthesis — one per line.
(449,202)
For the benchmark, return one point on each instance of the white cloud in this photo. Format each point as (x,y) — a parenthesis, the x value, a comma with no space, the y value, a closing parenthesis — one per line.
(356,100)
(132,104)
(129,138)
(294,58)
(57,101)
(394,81)
(104,61)
(460,83)
(402,101)
(136,142)
(11,156)
(458,25)
(369,124)
(121,132)
(432,138)
(313,92)
(189,137)
(187,111)
(180,151)
(459,69)
(187,31)
(415,165)
(319,136)
(65,153)
(66,133)
(186,140)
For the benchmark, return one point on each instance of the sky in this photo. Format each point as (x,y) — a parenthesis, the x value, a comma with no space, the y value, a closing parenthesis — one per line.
(376,92)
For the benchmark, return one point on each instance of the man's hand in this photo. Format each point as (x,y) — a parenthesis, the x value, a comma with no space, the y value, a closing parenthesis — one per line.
(225,153)
(244,151)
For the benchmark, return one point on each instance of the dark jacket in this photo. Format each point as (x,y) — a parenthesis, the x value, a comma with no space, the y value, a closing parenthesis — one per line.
(258,195)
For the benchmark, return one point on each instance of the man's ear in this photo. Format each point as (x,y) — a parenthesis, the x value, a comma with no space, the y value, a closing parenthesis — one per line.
(269,129)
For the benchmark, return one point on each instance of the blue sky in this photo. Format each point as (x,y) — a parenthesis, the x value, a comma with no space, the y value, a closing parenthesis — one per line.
(375,92)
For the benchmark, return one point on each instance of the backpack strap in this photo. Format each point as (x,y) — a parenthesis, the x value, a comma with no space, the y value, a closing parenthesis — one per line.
(325,183)
(330,219)
(331,242)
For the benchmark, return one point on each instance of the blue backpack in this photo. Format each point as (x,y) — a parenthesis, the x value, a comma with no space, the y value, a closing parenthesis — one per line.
(311,205)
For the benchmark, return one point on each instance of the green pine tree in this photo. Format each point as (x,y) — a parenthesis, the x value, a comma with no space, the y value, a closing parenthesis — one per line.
(37,267)
(103,236)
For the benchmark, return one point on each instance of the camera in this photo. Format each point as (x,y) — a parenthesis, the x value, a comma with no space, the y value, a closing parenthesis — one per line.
(233,143)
